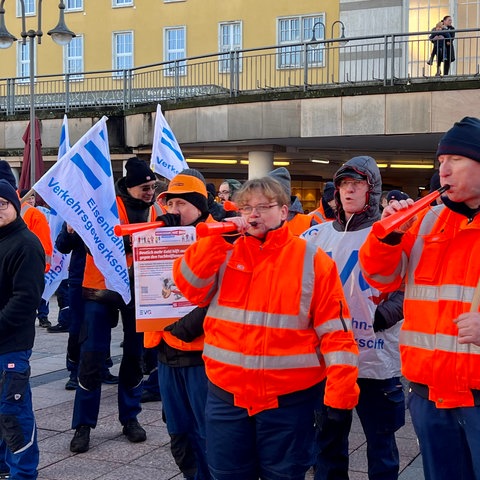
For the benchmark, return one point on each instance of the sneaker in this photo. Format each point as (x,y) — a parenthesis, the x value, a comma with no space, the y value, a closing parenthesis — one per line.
(72,384)
(148,396)
(110,379)
(44,322)
(429,62)
(57,328)
(134,432)
(81,440)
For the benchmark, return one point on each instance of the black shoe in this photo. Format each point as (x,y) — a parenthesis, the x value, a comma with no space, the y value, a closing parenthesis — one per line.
(429,62)
(110,379)
(81,440)
(57,328)
(44,322)
(148,396)
(72,384)
(134,432)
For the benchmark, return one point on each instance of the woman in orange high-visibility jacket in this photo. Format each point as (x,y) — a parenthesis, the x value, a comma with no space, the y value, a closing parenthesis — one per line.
(277,325)
(438,259)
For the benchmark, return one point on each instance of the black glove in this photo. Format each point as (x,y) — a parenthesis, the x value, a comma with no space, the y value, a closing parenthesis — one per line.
(169,219)
(339,414)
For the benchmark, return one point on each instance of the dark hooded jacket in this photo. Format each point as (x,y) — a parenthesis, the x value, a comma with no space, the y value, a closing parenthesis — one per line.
(390,311)
(367,167)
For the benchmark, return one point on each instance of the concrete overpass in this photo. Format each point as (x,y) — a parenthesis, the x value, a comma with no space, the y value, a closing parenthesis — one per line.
(398,125)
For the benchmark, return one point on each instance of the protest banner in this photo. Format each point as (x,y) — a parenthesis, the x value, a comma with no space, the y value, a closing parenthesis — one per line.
(158,302)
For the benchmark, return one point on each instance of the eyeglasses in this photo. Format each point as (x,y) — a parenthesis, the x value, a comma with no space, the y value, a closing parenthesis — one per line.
(247,209)
(148,188)
(223,192)
(352,183)
(4,204)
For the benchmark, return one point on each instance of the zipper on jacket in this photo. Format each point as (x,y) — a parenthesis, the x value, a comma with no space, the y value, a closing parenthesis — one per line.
(341,317)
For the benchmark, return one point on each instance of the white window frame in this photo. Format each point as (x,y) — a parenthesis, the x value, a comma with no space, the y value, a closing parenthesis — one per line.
(28,12)
(116,55)
(23,64)
(78,8)
(122,3)
(232,45)
(77,73)
(293,57)
(170,55)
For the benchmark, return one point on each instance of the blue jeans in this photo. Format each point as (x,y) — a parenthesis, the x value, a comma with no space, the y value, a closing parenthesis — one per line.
(449,439)
(381,409)
(94,350)
(18,431)
(275,444)
(184,393)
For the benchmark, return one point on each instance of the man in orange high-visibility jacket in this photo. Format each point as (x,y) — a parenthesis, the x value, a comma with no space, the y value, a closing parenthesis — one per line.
(276,327)
(136,204)
(437,256)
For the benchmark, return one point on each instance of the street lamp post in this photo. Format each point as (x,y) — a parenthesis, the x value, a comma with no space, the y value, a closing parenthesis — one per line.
(60,35)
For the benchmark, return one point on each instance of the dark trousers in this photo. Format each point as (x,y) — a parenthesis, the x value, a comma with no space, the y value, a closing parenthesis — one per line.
(274,444)
(449,439)
(184,392)
(18,432)
(94,351)
(381,409)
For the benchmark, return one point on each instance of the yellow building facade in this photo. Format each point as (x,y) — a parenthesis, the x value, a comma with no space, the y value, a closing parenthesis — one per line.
(117,34)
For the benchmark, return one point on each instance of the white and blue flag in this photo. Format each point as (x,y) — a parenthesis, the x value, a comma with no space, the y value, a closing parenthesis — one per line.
(80,188)
(167,157)
(60,261)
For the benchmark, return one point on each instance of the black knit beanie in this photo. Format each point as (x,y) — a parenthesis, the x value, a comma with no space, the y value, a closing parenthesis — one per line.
(462,139)
(328,191)
(7,174)
(138,172)
(9,193)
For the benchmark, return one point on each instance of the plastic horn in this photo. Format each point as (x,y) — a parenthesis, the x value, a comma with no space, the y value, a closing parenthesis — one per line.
(230,206)
(388,224)
(130,228)
(206,229)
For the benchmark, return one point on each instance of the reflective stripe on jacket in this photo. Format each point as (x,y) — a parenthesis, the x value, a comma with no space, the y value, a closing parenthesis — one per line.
(277,322)
(439,259)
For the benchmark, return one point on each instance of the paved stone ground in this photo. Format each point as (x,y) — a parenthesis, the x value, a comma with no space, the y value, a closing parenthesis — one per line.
(111,456)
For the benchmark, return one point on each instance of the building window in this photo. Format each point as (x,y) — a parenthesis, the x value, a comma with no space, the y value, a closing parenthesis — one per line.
(295,30)
(23,61)
(73,5)
(122,3)
(73,58)
(122,52)
(175,49)
(230,39)
(29,7)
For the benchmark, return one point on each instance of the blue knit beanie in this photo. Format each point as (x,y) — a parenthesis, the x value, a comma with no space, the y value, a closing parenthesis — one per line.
(462,139)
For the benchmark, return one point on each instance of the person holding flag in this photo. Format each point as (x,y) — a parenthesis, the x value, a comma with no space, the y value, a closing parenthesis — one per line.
(136,204)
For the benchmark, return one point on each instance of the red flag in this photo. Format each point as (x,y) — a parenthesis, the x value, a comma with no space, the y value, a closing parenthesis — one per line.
(25,175)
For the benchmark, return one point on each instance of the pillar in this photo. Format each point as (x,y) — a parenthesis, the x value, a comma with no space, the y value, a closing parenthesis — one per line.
(259,163)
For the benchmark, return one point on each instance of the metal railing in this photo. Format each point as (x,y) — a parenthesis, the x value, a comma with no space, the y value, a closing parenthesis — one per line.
(369,60)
